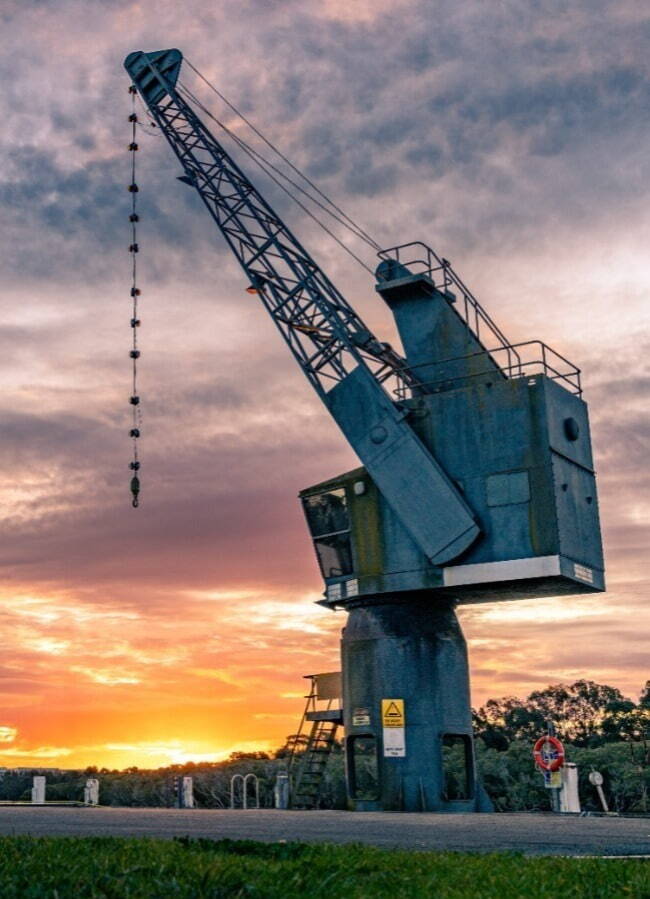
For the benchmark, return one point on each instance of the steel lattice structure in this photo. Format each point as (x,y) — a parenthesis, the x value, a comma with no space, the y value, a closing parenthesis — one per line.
(324,333)
(346,364)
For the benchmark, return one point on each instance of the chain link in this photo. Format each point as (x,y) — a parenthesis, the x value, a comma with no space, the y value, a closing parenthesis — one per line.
(135,321)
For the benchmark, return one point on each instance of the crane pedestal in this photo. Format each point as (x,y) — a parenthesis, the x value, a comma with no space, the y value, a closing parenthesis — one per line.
(407,713)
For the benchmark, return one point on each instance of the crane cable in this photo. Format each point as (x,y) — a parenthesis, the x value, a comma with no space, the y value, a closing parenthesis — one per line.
(134,354)
(265,165)
(149,120)
(262,160)
(355,227)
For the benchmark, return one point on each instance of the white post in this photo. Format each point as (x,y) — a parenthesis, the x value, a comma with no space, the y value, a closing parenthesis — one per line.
(569,796)
(281,791)
(187,793)
(38,788)
(91,791)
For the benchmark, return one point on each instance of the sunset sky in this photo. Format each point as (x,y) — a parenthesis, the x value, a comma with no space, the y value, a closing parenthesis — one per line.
(511,136)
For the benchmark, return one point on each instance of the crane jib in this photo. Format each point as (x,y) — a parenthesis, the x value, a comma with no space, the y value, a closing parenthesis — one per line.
(319,326)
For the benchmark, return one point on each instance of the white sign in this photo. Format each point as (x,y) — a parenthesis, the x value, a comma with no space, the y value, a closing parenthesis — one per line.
(596,778)
(352,587)
(361,717)
(584,573)
(393,720)
(394,743)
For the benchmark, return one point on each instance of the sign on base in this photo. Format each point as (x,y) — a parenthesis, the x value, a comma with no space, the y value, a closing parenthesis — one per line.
(392,718)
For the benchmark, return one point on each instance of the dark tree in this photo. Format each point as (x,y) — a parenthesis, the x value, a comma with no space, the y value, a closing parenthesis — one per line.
(578,710)
(584,713)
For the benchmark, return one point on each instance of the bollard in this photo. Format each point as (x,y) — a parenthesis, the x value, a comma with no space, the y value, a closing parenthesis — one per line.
(187,793)
(38,788)
(91,791)
(281,791)
(569,796)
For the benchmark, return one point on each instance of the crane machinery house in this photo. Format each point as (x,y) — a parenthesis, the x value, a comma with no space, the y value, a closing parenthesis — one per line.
(510,430)
(477,481)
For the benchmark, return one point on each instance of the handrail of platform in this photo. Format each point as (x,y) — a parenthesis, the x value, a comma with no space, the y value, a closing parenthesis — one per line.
(543,360)
(426,261)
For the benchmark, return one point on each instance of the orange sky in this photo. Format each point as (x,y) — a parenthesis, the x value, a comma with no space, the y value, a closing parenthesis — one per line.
(182,631)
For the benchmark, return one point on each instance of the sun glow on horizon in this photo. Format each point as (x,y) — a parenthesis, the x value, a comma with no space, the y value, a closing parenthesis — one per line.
(145,754)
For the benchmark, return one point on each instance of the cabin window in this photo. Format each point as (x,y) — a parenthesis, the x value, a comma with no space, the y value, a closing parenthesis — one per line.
(329,522)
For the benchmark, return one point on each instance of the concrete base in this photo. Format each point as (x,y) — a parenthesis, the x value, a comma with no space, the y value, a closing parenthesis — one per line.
(414,654)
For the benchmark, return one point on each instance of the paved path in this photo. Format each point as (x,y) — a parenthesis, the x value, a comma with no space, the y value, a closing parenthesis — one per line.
(534,834)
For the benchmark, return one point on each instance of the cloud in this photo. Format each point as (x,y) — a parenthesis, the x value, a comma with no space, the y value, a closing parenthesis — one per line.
(48,645)
(550,612)
(109,677)
(514,140)
(8,734)
(36,753)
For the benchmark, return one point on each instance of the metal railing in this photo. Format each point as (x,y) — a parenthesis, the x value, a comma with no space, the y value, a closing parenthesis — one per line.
(243,780)
(421,259)
(519,360)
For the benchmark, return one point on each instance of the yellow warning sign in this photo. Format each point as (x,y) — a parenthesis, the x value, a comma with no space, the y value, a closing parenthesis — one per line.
(392,712)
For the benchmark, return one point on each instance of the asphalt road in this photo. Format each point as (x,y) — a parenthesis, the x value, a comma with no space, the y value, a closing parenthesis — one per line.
(533,834)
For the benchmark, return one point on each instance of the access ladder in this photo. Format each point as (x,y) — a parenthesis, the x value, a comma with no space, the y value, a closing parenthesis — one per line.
(310,765)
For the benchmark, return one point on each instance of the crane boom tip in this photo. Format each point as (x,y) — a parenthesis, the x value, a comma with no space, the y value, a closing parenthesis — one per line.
(155,73)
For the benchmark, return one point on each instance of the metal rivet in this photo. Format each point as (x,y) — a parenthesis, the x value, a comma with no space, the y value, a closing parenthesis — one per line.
(378,434)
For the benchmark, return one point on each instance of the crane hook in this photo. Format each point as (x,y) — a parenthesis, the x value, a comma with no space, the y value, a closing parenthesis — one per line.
(135,490)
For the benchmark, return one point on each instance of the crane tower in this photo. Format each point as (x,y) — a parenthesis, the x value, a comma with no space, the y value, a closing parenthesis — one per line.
(477,481)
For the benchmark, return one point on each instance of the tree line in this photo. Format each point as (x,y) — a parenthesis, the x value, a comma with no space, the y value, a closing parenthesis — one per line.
(601,729)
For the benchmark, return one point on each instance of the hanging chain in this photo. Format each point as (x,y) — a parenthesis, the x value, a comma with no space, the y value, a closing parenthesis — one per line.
(134,400)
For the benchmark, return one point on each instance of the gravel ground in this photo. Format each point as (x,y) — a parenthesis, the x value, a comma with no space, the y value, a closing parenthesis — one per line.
(533,834)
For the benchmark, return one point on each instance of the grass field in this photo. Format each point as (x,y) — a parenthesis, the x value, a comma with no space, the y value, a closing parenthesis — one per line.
(74,868)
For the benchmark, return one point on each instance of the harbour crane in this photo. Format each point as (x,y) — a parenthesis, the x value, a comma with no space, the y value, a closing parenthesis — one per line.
(477,480)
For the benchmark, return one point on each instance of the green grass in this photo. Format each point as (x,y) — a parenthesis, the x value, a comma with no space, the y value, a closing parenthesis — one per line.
(74,868)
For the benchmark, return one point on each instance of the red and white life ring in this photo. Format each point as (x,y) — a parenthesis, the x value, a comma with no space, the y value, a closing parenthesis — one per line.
(541,754)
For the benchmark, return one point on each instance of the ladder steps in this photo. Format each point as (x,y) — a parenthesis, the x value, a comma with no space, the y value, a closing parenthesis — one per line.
(310,755)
